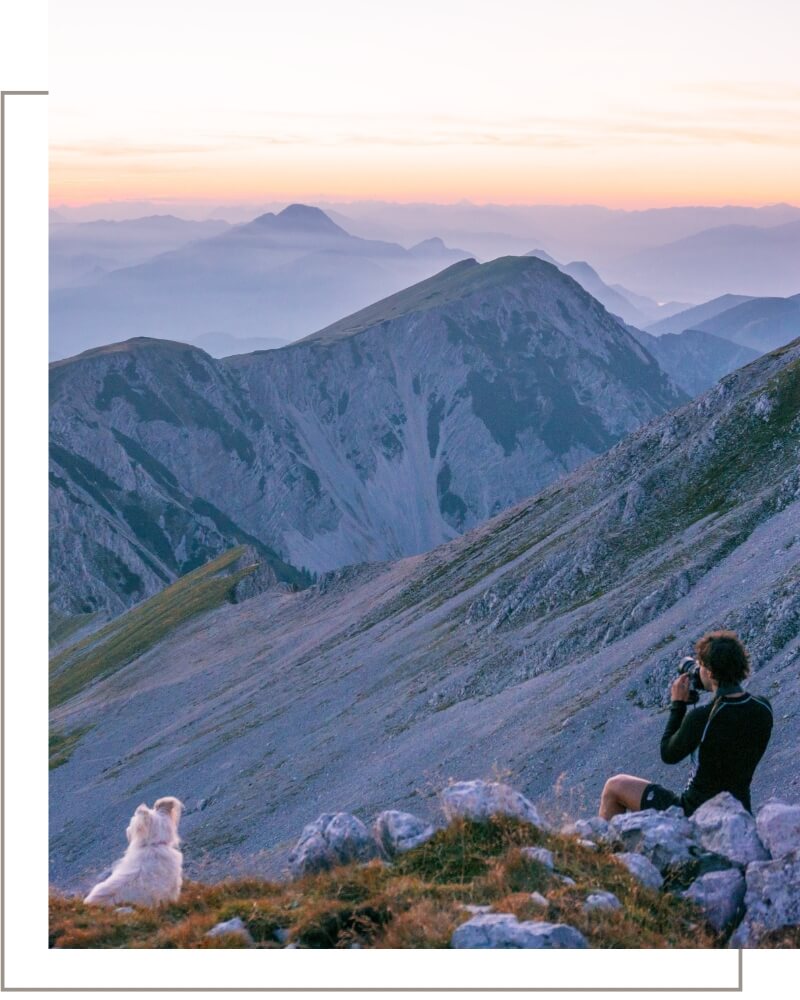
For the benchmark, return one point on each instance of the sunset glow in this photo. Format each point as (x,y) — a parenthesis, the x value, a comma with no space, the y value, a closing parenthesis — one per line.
(610,103)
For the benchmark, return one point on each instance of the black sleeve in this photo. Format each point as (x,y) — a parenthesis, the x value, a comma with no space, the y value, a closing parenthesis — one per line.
(683,731)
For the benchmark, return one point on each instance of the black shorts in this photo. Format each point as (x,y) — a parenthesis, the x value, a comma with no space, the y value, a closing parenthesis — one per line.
(657,797)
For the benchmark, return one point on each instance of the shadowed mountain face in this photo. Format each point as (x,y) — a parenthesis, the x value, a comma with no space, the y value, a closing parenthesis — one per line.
(762,324)
(695,360)
(381,436)
(542,643)
(279,276)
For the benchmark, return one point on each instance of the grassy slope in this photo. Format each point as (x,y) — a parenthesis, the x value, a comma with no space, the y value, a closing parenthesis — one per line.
(415,903)
(133,633)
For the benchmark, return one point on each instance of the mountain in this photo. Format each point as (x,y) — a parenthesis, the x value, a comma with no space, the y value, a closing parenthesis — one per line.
(695,360)
(280,276)
(690,319)
(380,436)
(749,260)
(540,645)
(619,301)
(80,253)
(762,324)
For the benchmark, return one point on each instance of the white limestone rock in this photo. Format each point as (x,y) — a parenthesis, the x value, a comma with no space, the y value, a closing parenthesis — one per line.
(503,930)
(778,825)
(480,800)
(601,901)
(332,839)
(398,832)
(595,829)
(237,927)
(771,899)
(539,854)
(725,827)
(666,838)
(642,869)
(720,896)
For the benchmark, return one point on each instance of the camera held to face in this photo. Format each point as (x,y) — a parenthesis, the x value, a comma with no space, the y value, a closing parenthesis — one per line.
(690,666)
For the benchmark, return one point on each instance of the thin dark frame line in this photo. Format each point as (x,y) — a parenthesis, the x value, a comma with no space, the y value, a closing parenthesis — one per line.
(191,989)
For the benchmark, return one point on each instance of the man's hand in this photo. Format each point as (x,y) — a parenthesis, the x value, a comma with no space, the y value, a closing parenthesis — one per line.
(680,688)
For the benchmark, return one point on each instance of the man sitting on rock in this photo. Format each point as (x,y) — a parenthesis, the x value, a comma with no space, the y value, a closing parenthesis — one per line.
(726,738)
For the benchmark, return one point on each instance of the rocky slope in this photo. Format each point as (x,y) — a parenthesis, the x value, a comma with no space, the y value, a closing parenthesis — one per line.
(540,644)
(379,437)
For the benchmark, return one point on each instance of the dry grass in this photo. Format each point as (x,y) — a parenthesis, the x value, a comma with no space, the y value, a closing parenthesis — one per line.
(415,903)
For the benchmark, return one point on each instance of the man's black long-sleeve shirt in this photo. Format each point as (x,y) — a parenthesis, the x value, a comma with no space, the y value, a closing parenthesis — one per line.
(730,735)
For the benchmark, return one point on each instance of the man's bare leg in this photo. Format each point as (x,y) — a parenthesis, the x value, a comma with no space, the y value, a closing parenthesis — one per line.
(620,793)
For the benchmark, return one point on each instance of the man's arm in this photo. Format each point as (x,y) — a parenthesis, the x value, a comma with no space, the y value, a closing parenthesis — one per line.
(683,731)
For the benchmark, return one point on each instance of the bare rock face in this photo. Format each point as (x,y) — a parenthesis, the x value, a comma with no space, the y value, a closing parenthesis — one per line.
(398,832)
(332,839)
(725,827)
(772,899)
(778,825)
(503,930)
(720,896)
(666,838)
(641,868)
(480,800)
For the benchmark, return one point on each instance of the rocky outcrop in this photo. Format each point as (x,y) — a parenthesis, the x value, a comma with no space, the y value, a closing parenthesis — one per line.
(665,838)
(397,832)
(502,930)
(480,800)
(720,896)
(772,899)
(778,826)
(723,826)
(332,839)
(642,869)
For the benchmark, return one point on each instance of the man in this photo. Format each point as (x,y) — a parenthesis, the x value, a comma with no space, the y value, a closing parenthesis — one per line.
(728,736)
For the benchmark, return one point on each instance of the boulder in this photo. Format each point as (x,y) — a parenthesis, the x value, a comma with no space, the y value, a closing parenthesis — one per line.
(771,899)
(601,901)
(778,825)
(666,838)
(237,927)
(539,854)
(480,800)
(332,839)
(595,829)
(503,930)
(539,900)
(397,832)
(725,827)
(720,896)
(642,869)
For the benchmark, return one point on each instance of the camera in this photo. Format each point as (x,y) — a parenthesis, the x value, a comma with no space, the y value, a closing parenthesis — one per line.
(690,666)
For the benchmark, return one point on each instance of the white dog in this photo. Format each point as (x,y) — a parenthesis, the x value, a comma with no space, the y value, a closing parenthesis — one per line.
(149,873)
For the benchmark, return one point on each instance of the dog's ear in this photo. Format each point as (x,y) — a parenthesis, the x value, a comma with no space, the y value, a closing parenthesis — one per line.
(139,826)
(171,807)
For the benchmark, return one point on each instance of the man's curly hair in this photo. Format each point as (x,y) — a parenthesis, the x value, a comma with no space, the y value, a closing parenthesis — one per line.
(723,654)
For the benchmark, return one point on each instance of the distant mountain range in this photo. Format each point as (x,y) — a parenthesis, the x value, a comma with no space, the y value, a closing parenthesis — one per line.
(381,436)
(540,645)
(280,277)
(692,318)
(762,324)
(748,260)
(694,359)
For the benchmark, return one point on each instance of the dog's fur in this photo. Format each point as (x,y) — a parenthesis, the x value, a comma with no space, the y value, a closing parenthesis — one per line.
(149,873)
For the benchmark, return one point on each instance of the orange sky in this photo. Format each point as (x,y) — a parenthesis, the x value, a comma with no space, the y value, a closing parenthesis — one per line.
(529,102)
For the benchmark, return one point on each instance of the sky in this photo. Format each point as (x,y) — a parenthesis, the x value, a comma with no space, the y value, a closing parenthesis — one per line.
(626,104)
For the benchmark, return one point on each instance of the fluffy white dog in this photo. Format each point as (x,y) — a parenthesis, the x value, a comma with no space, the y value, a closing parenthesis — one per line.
(149,873)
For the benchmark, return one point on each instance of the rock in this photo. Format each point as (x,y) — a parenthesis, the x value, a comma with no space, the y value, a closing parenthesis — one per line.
(503,930)
(601,900)
(539,854)
(595,829)
(642,869)
(480,800)
(720,896)
(588,844)
(666,838)
(332,839)
(236,926)
(398,832)
(771,899)
(281,934)
(475,909)
(539,900)
(725,827)
(679,877)
(566,880)
(123,909)
(778,826)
